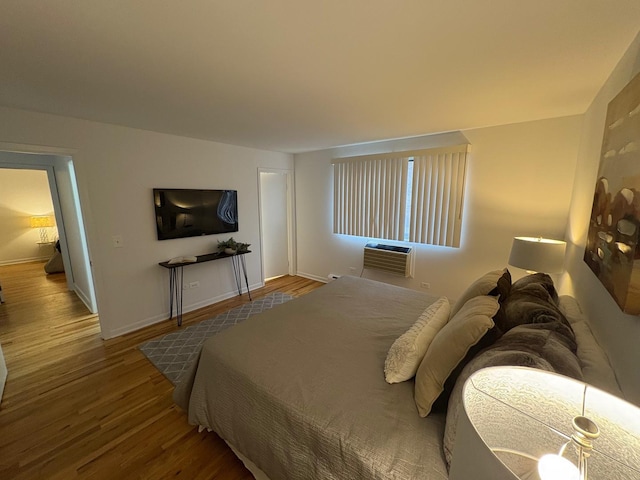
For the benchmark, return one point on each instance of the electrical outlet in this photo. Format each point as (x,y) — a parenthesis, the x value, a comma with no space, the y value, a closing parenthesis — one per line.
(426,285)
(194,284)
(185,286)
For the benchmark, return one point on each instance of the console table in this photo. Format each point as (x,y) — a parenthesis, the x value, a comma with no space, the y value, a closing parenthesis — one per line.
(176,277)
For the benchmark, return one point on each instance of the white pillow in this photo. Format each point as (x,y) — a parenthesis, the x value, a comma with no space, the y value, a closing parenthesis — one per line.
(407,351)
(449,348)
(482,286)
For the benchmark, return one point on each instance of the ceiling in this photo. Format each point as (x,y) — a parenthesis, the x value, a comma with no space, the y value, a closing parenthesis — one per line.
(300,75)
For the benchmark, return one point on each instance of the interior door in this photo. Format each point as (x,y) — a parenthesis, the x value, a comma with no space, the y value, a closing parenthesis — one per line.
(274,222)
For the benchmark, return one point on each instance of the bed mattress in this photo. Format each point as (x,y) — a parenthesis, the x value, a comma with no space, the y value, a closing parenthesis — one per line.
(300,390)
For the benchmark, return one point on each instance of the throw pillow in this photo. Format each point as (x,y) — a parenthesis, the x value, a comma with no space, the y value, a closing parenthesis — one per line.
(532,299)
(541,280)
(487,284)
(503,288)
(407,351)
(532,346)
(450,346)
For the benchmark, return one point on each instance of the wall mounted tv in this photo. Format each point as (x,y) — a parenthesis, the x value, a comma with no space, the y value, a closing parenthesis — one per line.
(189,213)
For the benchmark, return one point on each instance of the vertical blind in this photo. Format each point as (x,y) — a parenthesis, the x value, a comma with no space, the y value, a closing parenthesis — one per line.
(437,196)
(370,196)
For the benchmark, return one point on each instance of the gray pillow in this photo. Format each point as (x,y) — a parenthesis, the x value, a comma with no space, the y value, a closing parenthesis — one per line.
(541,280)
(488,284)
(532,299)
(537,346)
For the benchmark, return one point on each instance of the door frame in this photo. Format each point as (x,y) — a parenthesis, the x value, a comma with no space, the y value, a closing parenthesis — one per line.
(26,157)
(291,227)
(57,209)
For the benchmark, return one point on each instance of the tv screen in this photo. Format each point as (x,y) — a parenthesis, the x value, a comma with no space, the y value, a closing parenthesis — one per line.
(189,213)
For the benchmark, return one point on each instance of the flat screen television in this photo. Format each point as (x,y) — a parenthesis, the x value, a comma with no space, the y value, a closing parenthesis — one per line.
(189,213)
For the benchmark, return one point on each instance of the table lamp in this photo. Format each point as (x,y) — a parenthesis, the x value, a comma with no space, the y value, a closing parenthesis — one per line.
(520,423)
(537,254)
(42,222)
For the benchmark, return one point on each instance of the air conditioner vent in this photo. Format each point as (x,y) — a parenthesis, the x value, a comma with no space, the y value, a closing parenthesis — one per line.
(388,258)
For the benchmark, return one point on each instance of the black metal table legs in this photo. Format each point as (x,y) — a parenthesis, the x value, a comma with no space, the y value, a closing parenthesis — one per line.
(176,281)
(240,268)
(176,277)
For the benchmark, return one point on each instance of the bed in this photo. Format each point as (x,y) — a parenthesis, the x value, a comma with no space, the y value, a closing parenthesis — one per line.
(299,391)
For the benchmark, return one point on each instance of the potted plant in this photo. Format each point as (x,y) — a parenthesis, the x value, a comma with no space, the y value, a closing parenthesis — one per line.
(243,247)
(230,247)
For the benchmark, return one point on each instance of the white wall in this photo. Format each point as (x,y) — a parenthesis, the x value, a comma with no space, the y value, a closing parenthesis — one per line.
(617,332)
(116,169)
(23,193)
(519,182)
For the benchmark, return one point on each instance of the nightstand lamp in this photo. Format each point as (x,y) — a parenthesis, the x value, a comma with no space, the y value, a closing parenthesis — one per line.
(521,423)
(43,222)
(537,254)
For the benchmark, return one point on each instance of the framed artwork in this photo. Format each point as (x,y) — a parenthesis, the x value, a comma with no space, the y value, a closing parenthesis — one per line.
(612,250)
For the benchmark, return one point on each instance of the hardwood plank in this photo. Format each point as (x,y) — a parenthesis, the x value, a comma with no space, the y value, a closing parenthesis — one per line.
(76,406)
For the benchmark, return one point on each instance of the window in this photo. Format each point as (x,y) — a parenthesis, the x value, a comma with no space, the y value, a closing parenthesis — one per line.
(408,196)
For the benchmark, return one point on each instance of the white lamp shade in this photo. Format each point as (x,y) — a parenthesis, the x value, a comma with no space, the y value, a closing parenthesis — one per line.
(513,417)
(537,254)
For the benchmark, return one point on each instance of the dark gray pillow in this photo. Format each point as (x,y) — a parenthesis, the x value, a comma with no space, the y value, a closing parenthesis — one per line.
(541,280)
(532,300)
(543,346)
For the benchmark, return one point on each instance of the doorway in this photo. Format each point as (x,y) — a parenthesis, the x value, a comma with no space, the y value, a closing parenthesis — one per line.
(276,222)
(68,217)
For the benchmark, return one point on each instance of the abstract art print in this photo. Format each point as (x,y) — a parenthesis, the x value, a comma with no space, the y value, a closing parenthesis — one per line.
(612,250)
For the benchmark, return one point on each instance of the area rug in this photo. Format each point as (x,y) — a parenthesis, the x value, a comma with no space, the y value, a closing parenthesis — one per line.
(172,353)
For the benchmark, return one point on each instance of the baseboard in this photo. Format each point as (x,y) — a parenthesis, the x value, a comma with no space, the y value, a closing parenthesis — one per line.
(311,276)
(165,315)
(23,260)
(83,296)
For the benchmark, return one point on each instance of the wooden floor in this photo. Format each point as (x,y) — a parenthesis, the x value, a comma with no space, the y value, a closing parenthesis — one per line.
(76,406)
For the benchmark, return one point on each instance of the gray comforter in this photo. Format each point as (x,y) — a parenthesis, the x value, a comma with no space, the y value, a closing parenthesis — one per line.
(300,390)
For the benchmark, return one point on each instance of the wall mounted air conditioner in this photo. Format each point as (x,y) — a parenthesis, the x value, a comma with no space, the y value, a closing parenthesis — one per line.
(388,258)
